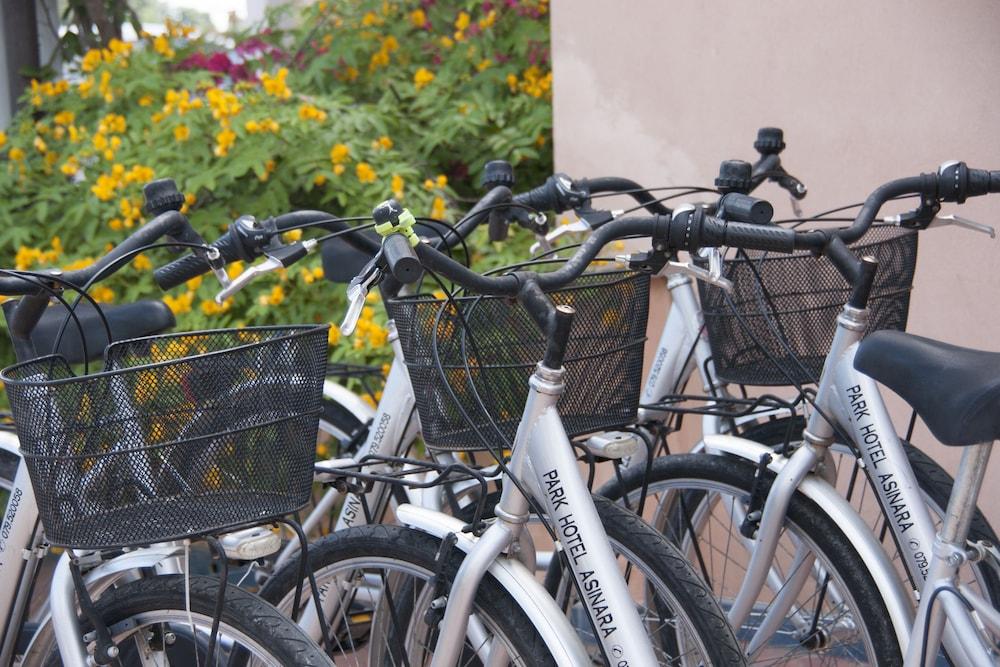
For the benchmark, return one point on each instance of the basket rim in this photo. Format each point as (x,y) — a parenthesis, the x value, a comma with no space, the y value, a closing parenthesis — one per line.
(424,297)
(297,331)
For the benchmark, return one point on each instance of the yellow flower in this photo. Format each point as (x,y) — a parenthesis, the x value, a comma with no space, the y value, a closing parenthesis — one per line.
(269,167)
(442,180)
(182,133)
(70,166)
(91,60)
(488,20)
(309,112)
(115,224)
(275,298)
(223,142)
(462,22)
(40,145)
(333,337)
(397,186)
(179,304)
(102,294)
(370,19)
(428,184)
(382,142)
(64,118)
(146,100)
(212,308)
(104,188)
(275,85)
(365,173)
(446,42)
(142,263)
(319,180)
(3,138)
(162,46)
(512,82)
(194,283)
(418,18)
(338,169)
(484,64)
(422,77)
(293,235)
(339,153)
(437,209)
(223,104)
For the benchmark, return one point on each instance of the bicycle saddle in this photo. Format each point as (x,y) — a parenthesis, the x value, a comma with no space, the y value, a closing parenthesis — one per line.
(129,320)
(955,390)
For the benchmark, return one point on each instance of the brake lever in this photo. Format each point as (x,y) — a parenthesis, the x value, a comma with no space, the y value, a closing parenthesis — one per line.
(578,226)
(277,258)
(357,293)
(959,221)
(712,275)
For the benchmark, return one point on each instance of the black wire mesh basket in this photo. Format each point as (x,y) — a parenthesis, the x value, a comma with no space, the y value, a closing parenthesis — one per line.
(456,370)
(181,435)
(777,325)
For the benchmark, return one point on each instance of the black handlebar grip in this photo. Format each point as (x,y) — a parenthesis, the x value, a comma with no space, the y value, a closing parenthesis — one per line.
(401,259)
(755,237)
(995,181)
(739,207)
(543,198)
(956,182)
(191,266)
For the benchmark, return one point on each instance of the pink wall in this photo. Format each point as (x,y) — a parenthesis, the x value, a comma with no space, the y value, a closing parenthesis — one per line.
(866,92)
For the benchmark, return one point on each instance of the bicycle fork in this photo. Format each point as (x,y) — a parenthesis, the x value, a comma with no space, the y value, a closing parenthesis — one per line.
(543,458)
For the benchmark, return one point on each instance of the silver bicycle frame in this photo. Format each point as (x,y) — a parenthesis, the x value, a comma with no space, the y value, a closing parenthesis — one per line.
(940,599)
(852,401)
(544,460)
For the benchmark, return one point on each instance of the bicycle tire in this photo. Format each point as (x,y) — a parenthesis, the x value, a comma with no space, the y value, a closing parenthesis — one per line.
(934,482)
(630,536)
(413,549)
(808,520)
(164,597)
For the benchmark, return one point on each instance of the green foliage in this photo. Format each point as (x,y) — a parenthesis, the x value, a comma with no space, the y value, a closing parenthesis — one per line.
(359,101)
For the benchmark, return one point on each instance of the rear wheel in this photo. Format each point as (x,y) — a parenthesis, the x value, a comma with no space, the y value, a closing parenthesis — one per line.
(377,588)
(835,612)
(151,623)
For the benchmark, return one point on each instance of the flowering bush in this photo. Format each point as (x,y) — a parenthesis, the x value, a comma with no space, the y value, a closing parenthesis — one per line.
(358,102)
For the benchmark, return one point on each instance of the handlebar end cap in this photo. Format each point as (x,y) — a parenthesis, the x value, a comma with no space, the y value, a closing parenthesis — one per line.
(161,196)
(496,173)
(770,140)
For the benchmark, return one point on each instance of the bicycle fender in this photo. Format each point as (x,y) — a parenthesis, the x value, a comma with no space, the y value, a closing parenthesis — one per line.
(550,621)
(829,500)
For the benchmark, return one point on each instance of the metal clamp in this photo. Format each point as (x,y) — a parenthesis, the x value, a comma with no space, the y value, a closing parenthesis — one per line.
(357,292)
(275,259)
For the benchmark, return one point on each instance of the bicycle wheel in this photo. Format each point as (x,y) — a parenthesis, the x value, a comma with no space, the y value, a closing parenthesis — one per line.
(377,587)
(151,623)
(698,500)
(935,486)
(683,620)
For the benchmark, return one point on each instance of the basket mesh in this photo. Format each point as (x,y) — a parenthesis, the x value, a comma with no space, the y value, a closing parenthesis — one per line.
(181,435)
(603,359)
(790,303)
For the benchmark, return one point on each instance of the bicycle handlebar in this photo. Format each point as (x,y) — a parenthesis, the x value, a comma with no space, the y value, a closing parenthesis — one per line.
(246,242)
(170,224)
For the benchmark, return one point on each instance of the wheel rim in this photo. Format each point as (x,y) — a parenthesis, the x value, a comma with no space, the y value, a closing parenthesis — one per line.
(358,586)
(823,624)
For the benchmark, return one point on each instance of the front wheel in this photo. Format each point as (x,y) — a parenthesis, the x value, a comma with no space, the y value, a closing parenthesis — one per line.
(152,622)
(377,587)
(835,612)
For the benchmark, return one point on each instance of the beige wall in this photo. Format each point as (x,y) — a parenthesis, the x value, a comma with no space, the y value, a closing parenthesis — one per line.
(866,92)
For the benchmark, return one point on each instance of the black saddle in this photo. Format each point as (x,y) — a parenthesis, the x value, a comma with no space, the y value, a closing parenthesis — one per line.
(955,390)
(129,320)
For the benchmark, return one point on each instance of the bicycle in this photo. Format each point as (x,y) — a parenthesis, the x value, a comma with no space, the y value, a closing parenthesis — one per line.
(784,502)
(371,547)
(165,617)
